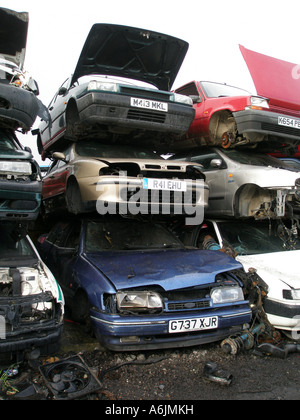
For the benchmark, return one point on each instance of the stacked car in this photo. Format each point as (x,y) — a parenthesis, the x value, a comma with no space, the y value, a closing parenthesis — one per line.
(254,201)
(109,197)
(31,302)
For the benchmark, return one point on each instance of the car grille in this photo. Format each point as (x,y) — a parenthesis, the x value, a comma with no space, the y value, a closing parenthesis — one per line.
(280,129)
(156,95)
(146,115)
(183,306)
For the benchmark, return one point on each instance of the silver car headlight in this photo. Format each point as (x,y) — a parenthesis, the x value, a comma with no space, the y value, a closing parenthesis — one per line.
(259,101)
(183,99)
(15,167)
(104,86)
(227,294)
(293,294)
(139,301)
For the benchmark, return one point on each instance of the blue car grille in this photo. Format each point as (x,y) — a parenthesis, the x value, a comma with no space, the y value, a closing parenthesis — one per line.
(189,305)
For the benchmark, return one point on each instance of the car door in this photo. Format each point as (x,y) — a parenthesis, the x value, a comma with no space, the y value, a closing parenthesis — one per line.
(54,183)
(215,170)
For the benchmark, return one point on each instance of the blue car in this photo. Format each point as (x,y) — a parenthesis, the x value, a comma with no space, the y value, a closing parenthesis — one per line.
(141,288)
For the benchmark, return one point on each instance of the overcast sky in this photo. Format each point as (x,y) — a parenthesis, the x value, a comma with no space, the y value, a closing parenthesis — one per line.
(214,29)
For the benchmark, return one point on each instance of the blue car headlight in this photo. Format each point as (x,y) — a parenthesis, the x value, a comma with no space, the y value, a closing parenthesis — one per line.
(139,301)
(227,294)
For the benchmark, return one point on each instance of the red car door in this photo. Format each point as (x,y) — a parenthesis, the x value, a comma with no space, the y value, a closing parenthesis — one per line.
(54,183)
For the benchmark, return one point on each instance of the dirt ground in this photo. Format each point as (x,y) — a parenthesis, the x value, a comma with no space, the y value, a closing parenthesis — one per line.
(163,377)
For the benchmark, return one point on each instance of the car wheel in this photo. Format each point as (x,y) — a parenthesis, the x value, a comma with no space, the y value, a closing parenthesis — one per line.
(73,197)
(81,310)
(72,119)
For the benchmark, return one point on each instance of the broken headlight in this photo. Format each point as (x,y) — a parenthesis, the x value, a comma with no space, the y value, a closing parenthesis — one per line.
(141,301)
(183,99)
(258,102)
(227,294)
(15,167)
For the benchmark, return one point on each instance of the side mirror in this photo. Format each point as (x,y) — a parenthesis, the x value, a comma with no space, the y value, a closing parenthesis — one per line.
(59,156)
(196,99)
(215,163)
(62,91)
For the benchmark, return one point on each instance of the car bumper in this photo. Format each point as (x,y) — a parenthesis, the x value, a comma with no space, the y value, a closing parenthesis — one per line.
(149,333)
(283,315)
(115,110)
(265,122)
(20,108)
(20,200)
(112,195)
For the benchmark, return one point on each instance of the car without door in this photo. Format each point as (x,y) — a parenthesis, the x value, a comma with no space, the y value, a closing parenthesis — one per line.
(247,184)
(93,102)
(31,301)
(139,288)
(228,116)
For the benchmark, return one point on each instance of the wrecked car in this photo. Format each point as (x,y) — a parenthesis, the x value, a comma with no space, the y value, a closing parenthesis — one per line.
(246,184)
(31,301)
(19,105)
(272,248)
(228,116)
(92,176)
(139,288)
(87,105)
(20,180)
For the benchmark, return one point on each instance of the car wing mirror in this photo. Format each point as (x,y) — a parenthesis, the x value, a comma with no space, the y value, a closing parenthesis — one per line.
(216,163)
(195,98)
(59,156)
(62,91)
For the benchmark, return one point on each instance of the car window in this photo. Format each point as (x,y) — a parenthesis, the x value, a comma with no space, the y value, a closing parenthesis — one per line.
(125,235)
(6,142)
(204,159)
(189,90)
(97,149)
(217,90)
(255,159)
(12,246)
(58,233)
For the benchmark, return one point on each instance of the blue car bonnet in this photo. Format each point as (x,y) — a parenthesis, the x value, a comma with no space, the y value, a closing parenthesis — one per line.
(170,269)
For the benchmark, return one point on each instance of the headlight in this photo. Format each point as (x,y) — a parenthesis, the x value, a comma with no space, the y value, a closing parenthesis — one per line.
(259,102)
(227,294)
(105,86)
(293,294)
(18,168)
(183,99)
(139,301)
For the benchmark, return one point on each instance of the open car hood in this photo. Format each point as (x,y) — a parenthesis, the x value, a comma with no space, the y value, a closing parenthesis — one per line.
(132,53)
(13,35)
(275,79)
(171,269)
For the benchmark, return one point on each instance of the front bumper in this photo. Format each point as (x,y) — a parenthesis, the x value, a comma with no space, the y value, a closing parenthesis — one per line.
(115,110)
(265,122)
(125,333)
(283,314)
(20,200)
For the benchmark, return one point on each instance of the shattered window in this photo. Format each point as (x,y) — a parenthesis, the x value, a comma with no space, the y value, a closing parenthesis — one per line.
(11,245)
(126,235)
(6,142)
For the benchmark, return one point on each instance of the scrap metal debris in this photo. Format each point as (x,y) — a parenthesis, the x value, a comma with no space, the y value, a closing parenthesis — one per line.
(215,374)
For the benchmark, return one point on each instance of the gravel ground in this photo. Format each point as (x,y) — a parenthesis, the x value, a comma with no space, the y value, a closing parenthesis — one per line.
(166,377)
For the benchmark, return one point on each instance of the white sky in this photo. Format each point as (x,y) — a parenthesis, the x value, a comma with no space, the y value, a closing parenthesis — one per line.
(213,29)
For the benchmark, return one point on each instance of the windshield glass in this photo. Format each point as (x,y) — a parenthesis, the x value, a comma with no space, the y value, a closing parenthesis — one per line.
(100,150)
(11,247)
(125,235)
(249,238)
(256,159)
(6,142)
(216,90)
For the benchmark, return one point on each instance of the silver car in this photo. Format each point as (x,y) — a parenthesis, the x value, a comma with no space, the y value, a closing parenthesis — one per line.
(247,184)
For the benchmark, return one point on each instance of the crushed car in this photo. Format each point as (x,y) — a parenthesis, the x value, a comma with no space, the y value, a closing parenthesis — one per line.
(31,301)
(228,116)
(20,180)
(122,108)
(138,287)
(243,183)
(272,248)
(92,176)
(19,105)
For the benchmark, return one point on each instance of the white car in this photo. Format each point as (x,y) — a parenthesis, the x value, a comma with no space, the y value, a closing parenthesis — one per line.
(273,249)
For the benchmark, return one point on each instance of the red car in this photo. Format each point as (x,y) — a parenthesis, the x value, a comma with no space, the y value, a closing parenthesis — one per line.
(227,116)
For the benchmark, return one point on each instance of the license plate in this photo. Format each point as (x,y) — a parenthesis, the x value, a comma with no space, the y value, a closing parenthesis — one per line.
(289,122)
(193,324)
(148,104)
(164,184)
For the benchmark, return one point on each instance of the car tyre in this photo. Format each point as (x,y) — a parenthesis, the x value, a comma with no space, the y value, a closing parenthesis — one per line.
(73,197)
